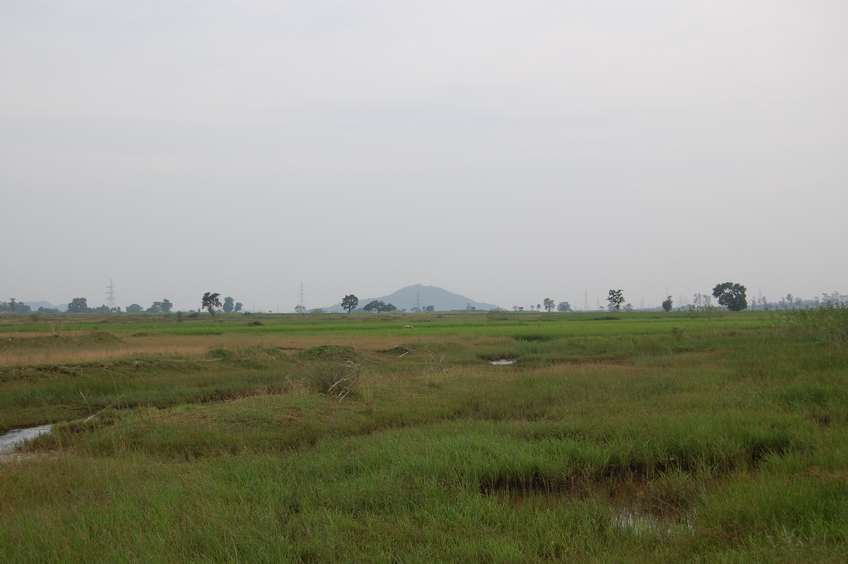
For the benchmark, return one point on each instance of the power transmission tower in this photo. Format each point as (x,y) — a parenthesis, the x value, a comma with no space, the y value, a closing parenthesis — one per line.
(301,297)
(586,301)
(110,296)
(418,301)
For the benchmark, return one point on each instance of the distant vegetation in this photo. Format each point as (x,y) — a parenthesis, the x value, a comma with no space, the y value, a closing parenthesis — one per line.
(12,306)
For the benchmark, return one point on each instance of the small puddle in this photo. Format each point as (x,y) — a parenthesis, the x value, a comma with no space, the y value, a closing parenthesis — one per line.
(625,513)
(16,437)
(641,524)
(503,361)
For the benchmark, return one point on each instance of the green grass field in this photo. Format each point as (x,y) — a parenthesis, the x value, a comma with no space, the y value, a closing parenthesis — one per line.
(391,438)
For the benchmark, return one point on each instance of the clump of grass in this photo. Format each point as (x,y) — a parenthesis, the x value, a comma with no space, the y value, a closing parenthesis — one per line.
(336,379)
(221,353)
(500,315)
(828,323)
(399,350)
(330,369)
(533,337)
(436,364)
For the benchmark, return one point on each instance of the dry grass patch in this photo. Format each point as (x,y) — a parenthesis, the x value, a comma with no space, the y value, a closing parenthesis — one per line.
(74,349)
(85,355)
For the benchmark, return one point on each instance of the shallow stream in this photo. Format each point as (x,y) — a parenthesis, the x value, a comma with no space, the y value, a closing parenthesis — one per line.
(16,437)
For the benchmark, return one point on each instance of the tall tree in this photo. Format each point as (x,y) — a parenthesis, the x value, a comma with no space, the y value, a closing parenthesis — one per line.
(376,304)
(564,306)
(615,299)
(160,307)
(209,302)
(549,305)
(349,302)
(380,306)
(667,304)
(731,295)
(229,304)
(78,305)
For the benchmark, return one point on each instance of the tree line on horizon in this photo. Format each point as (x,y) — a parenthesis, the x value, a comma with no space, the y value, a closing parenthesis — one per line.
(732,296)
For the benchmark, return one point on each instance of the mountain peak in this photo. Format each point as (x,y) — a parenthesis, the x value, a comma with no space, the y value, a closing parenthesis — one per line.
(421,296)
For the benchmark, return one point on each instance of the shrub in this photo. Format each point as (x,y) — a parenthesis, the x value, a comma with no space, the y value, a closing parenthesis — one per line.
(499,315)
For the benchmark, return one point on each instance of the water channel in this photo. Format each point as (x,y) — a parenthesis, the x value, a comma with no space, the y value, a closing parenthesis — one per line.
(16,437)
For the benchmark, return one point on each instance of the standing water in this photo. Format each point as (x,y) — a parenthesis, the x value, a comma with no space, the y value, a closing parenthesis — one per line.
(16,437)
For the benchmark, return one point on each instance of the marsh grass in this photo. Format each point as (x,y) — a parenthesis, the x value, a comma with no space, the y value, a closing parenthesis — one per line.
(828,323)
(650,439)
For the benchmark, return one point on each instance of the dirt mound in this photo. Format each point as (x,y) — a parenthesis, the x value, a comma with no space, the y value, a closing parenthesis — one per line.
(98,337)
(331,353)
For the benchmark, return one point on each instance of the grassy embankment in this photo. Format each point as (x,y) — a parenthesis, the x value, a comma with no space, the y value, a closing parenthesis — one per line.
(274,438)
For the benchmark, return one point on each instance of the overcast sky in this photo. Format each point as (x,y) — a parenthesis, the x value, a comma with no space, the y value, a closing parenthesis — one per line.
(505,150)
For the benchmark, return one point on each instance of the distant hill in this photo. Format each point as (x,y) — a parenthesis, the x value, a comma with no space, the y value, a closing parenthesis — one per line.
(409,297)
(47,305)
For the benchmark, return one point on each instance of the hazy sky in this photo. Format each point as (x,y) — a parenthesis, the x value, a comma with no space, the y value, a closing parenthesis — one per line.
(505,150)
